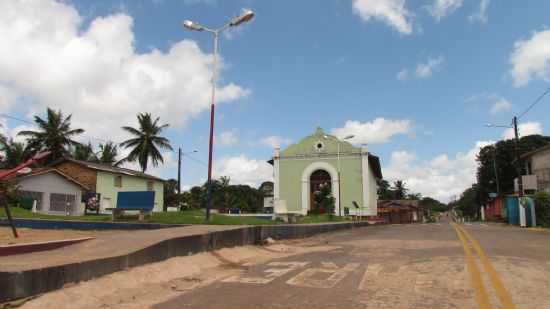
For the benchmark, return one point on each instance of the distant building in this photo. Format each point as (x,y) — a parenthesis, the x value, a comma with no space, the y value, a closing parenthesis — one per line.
(321,159)
(537,164)
(400,211)
(105,181)
(267,191)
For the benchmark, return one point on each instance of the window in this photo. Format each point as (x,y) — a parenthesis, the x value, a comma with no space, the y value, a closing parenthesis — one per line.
(118,181)
(150,186)
(62,202)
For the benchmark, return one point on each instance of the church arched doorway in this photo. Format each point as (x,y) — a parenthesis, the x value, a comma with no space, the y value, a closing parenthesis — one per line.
(318,179)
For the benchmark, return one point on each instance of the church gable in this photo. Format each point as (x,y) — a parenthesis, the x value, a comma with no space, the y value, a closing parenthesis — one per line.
(318,144)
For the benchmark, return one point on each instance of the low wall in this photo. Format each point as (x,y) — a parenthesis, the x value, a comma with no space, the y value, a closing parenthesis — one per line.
(15,285)
(84,225)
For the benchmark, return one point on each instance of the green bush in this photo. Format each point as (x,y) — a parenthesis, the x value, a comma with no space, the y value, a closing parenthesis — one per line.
(542,208)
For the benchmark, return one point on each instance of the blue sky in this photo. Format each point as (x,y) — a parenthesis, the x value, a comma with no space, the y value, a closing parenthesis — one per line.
(415,80)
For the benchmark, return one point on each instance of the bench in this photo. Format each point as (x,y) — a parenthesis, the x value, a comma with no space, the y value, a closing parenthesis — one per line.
(142,201)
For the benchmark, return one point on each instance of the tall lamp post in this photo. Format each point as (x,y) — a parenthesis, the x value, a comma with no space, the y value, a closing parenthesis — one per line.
(338,171)
(246,16)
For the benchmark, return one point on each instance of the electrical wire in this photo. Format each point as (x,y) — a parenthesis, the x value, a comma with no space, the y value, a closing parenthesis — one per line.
(534,103)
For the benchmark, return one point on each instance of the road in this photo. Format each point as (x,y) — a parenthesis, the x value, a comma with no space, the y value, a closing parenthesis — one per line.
(438,265)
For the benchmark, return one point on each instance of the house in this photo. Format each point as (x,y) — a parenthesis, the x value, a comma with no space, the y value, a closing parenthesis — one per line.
(267,191)
(104,181)
(400,211)
(54,191)
(537,163)
(319,160)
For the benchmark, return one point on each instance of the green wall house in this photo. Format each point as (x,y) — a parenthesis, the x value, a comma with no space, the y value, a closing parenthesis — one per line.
(105,181)
(322,159)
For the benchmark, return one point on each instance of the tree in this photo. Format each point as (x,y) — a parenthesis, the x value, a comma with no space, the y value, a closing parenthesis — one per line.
(54,134)
(15,153)
(433,204)
(84,153)
(108,154)
(323,200)
(399,189)
(469,202)
(384,190)
(171,197)
(414,196)
(542,208)
(502,158)
(146,141)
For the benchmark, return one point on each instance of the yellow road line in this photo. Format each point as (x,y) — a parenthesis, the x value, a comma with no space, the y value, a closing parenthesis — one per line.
(502,293)
(481,294)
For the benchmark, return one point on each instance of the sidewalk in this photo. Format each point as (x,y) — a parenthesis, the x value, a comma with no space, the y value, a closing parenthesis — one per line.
(36,273)
(103,246)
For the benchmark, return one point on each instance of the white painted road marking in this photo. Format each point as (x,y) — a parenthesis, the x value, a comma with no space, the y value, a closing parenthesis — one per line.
(310,276)
(279,269)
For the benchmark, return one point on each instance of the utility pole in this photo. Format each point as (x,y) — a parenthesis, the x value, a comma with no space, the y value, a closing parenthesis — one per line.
(518,163)
(179,171)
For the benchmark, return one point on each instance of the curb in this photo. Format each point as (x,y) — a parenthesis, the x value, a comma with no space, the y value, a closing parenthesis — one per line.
(85,225)
(16,285)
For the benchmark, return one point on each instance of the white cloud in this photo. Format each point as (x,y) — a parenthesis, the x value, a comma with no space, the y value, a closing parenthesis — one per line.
(275,141)
(403,74)
(524,129)
(423,70)
(392,12)
(441,8)
(500,105)
(227,138)
(95,73)
(531,59)
(380,130)
(9,132)
(243,170)
(481,14)
(441,177)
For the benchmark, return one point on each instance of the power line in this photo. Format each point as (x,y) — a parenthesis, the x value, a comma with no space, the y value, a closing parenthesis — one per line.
(535,103)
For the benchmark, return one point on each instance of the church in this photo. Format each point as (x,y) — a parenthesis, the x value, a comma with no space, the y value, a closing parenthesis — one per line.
(352,174)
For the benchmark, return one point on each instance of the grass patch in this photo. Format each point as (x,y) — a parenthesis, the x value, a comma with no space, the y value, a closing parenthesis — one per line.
(193,216)
(324,218)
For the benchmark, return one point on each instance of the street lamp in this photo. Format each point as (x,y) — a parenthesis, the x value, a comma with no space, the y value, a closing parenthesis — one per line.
(245,16)
(339,176)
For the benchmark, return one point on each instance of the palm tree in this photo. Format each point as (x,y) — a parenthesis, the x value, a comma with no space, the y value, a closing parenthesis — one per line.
(15,153)
(54,134)
(399,189)
(108,154)
(84,153)
(146,142)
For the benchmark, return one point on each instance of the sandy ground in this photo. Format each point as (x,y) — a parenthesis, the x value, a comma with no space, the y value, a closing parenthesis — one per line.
(144,286)
(33,235)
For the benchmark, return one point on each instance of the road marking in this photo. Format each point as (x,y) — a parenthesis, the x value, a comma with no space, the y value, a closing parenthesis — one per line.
(310,277)
(371,272)
(502,293)
(481,294)
(279,269)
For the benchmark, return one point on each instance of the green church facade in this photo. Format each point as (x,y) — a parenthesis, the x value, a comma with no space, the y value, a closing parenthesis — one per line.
(322,159)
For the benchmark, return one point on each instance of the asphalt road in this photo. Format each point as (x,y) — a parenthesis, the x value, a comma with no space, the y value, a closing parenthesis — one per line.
(408,266)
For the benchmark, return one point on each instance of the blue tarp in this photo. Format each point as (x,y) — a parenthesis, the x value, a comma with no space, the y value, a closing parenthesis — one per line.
(136,200)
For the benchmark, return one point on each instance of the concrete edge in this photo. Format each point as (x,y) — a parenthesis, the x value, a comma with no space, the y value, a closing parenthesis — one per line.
(16,285)
(6,250)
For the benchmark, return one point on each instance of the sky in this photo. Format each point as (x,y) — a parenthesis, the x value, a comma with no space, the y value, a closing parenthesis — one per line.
(415,80)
